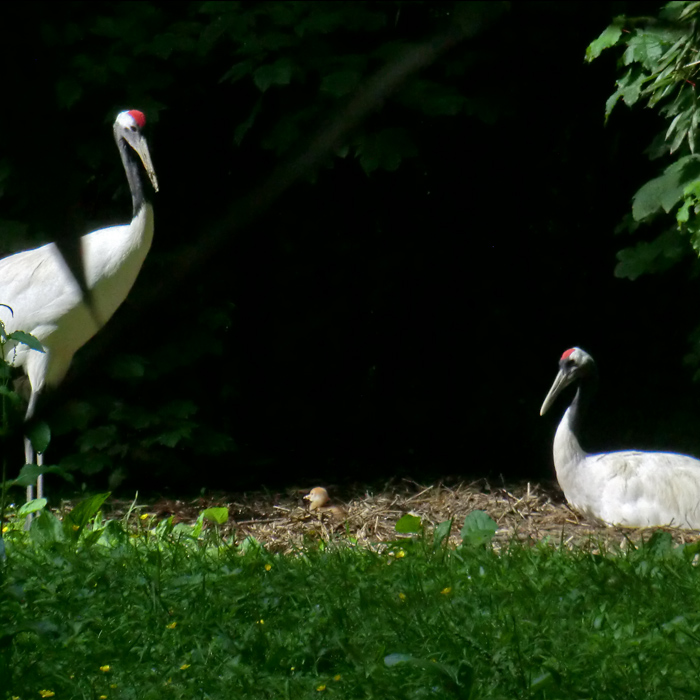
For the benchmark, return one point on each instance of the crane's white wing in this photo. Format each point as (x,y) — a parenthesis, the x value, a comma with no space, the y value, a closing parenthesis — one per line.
(640,489)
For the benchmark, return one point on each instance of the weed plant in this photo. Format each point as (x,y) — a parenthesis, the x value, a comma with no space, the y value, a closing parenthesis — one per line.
(106,610)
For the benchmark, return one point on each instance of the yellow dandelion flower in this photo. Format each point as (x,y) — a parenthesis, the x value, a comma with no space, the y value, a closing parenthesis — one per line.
(401,554)
(184,666)
(105,668)
(145,516)
(172,625)
(103,697)
(268,567)
(321,688)
(46,693)
(293,668)
(337,677)
(76,528)
(402,596)
(5,529)
(446,591)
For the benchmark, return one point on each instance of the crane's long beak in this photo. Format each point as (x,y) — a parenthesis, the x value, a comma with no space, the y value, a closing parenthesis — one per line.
(561,381)
(141,147)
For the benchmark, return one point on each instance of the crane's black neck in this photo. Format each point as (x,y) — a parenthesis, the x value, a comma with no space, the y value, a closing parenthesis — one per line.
(132,166)
(587,387)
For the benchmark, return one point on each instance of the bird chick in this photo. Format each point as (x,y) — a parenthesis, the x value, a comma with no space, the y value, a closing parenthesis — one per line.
(318,498)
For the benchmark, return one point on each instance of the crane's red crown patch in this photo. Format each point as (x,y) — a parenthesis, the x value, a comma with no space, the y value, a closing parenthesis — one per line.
(567,353)
(139,117)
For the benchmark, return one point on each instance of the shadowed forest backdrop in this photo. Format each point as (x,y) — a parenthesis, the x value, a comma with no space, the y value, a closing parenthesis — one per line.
(398,311)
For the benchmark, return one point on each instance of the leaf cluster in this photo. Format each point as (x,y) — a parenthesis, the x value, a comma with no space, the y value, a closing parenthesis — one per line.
(660,67)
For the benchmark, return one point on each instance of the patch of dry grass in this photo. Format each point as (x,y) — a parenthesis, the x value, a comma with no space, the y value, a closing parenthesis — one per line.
(282,521)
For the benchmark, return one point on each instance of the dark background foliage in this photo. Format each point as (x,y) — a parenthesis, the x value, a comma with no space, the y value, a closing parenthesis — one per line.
(399,311)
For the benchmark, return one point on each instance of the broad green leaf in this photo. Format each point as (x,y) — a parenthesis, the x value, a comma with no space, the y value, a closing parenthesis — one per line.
(631,84)
(46,528)
(249,545)
(651,256)
(84,511)
(607,39)
(442,532)
(32,506)
(39,435)
(385,150)
(277,73)
(684,212)
(409,524)
(665,191)
(198,525)
(479,528)
(645,48)
(611,102)
(217,515)
(26,339)
(127,367)
(29,472)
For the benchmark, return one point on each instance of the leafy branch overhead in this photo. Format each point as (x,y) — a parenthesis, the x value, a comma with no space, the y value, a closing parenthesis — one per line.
(660,67)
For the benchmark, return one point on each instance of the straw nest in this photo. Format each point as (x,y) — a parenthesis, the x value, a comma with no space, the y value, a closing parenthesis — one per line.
(285,520)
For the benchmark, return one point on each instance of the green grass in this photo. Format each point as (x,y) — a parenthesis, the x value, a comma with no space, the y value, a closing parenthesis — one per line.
(172,613)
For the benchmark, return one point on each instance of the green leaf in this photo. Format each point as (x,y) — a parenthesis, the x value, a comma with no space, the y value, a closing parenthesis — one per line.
(651,256)
(46,529)
(630,85)
(127,367)
(608,38)
(645,48)
(385,150)
(29,472)
(479,528)
(83,512)
(665,191)
(442,532)
(32,506)
(409,524)
(217,515)
(26,339)
(684,212)
(39,435)
(277,73)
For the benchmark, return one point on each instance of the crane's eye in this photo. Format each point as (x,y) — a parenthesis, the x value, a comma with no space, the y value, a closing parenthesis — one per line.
(133,128)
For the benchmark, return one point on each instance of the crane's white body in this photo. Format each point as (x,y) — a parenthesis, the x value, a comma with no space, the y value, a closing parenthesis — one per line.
(46,300)
(633,489)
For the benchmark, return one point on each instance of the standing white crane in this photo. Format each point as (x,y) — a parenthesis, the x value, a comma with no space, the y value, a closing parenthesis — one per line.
(635,489)
(45,298)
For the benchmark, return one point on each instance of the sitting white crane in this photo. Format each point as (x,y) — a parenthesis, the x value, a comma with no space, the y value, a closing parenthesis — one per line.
(46,300)
(635,489)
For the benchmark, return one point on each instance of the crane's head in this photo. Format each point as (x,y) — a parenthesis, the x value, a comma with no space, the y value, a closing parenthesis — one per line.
(573,365)
(127,127)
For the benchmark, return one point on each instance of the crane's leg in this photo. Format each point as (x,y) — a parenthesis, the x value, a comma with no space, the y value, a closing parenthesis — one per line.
(40,478)
(29,459)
